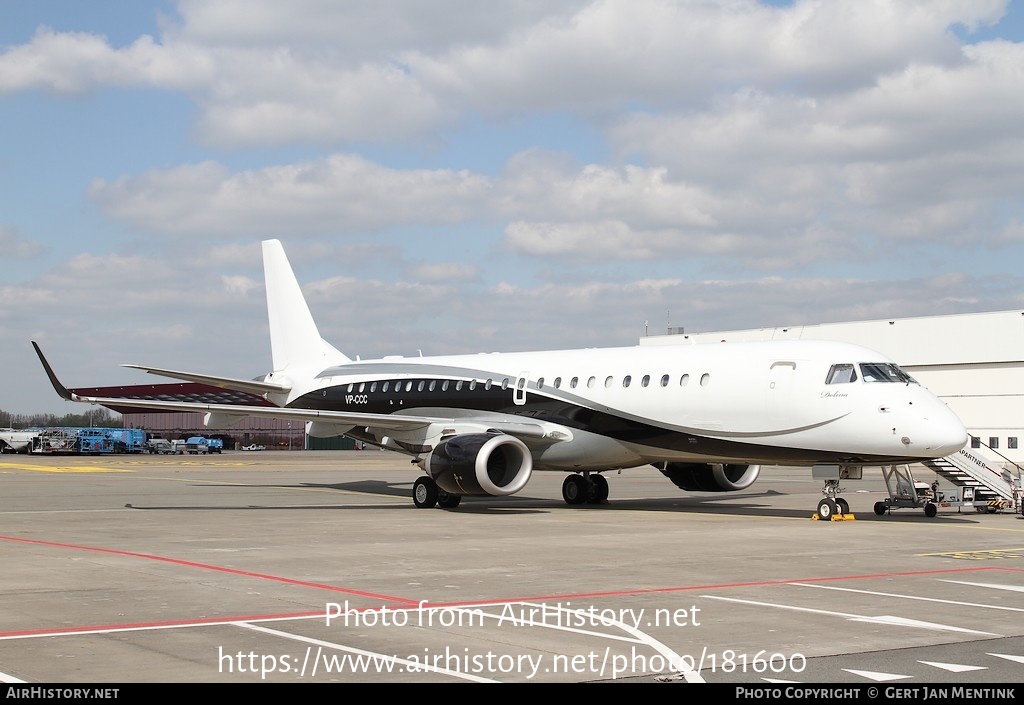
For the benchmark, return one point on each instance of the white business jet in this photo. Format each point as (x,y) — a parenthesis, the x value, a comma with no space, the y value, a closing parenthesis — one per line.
(706,415)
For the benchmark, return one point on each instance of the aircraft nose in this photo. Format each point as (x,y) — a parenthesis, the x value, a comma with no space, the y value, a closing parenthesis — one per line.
(942,434)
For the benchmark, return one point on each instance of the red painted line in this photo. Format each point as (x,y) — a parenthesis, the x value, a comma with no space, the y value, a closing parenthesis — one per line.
(207,566)
(414,604)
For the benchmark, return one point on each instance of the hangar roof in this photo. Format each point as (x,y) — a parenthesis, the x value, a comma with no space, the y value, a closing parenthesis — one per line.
(969,338)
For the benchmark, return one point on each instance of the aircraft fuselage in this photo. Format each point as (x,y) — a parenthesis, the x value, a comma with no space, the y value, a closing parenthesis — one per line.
(725,402)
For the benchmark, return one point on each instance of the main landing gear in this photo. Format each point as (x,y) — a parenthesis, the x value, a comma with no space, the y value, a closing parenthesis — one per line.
(585,489)
(427,495)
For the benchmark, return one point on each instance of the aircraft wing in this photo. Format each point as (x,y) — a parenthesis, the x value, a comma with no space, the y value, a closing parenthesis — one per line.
(191,397)
(388,421)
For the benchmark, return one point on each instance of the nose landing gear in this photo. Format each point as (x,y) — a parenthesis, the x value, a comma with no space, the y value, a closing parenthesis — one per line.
(833,507)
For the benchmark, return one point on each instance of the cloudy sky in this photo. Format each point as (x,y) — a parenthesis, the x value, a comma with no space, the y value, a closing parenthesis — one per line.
(466,176)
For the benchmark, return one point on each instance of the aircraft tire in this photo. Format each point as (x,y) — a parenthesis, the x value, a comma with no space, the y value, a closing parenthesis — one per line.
(446,500)
(930,509)
(826,508)
(880,508)
(574,489)
(425,493)
(843,505)
(599,485)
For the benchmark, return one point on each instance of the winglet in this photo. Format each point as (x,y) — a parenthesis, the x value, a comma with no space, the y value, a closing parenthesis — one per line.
(63,391)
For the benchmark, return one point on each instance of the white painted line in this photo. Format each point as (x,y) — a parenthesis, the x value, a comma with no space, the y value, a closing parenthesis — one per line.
(881,619)
(407,665)
(954,667)
(1009,657)
(690,675)
(994,586)
(919,624)
(876,676)
(912,597)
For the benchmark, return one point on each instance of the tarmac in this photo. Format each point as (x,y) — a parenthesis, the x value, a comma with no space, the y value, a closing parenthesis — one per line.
(290,567)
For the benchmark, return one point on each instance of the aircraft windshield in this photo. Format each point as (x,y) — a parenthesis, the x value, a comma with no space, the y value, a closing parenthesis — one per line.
(884,372)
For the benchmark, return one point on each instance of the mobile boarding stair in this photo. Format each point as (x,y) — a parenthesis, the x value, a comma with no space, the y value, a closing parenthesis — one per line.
(977,482)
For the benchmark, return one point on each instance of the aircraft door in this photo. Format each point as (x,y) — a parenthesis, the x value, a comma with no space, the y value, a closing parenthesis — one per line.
(781,383)
(519,395)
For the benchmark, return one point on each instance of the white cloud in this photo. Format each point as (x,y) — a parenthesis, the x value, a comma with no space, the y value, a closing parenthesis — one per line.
(507,175)
(75,62)
(340,193)
(453,272)
(14,246)
(322,73)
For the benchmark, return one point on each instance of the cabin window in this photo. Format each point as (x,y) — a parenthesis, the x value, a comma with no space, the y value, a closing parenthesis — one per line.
(433,385)
(444,386)
(351,386)
(373,387)
(705,379)
(362,387)
(993,442)
(841,374)
(472,385)
(408,386)
(684,380)
(385,387)
(540,383)
(1011,442)
(645,381)
(419,387)
(458,386)
(573,382)
(664,380)
(608,381)
(975,442)
(591,381)
(626,380)
(557,382)
(504,383)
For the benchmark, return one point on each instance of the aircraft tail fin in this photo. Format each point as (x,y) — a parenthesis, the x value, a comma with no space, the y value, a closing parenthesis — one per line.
(294,338)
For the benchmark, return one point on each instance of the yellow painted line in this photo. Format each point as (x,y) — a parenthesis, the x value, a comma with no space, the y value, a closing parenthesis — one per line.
(185,464)
(984,555)
(63,468)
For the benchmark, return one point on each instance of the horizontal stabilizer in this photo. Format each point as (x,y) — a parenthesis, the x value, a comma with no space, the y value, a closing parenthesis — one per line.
(241,385)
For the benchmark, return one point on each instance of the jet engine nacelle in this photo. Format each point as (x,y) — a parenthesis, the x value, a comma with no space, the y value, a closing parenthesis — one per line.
(711,477)
(480,464)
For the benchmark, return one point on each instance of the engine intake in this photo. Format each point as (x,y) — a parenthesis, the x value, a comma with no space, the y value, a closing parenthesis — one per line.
(480,464)
(711,477)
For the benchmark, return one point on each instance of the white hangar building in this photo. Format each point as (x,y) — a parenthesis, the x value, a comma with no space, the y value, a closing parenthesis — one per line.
(973,361)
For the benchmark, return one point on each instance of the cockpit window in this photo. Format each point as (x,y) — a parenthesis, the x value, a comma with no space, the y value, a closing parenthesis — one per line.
(841,374)
(884,372)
